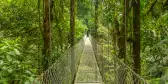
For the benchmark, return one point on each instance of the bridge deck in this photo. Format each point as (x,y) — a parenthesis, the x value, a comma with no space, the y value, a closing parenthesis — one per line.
(88,71)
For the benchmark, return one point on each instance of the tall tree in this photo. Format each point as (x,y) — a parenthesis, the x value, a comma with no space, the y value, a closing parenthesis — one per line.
(124,29)
(95,32)
(95,26)
(72,39)
(136,36)
(122,34)
(122,42)
(47,34)
(96,17)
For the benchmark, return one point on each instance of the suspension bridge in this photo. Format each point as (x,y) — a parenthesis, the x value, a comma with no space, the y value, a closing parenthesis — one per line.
(100,67)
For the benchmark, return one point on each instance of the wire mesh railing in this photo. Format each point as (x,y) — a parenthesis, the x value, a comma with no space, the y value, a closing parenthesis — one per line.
(125,75)
(112,69)
(60,71)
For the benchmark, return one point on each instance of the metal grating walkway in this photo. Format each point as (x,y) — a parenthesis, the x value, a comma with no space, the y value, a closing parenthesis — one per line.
(88,71)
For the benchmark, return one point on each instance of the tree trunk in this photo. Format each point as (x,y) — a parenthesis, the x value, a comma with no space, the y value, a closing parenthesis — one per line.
(124,28)
(116,40)
(96,18)
(136,38)
(114,58)
(47,34)
(95,32)
(122,43)
(72,39)
(47,38)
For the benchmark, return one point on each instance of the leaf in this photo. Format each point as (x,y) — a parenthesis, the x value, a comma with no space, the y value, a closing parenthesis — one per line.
(4,47)
(31,79)
(9,58)
(28,72)
(12,53)
(4,68)
(17,52)
(1,62)
(10,70)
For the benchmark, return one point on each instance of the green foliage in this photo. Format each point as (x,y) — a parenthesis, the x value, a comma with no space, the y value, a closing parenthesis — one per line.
(154,43)
(154,33)
(21,58)
(80,29)
(13,68)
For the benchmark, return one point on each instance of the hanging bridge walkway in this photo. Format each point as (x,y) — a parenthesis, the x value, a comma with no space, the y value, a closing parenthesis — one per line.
(88,71)
(89,68)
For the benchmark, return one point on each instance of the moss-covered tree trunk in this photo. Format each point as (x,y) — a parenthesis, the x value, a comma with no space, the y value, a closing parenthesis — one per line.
(47,34)
(95,33)
(136,38)
(122,36)
(72,39)
(46,38)
(124,30)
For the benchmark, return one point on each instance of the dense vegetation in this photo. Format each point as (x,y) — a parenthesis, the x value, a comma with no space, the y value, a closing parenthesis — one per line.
(22,36)
(153,35)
